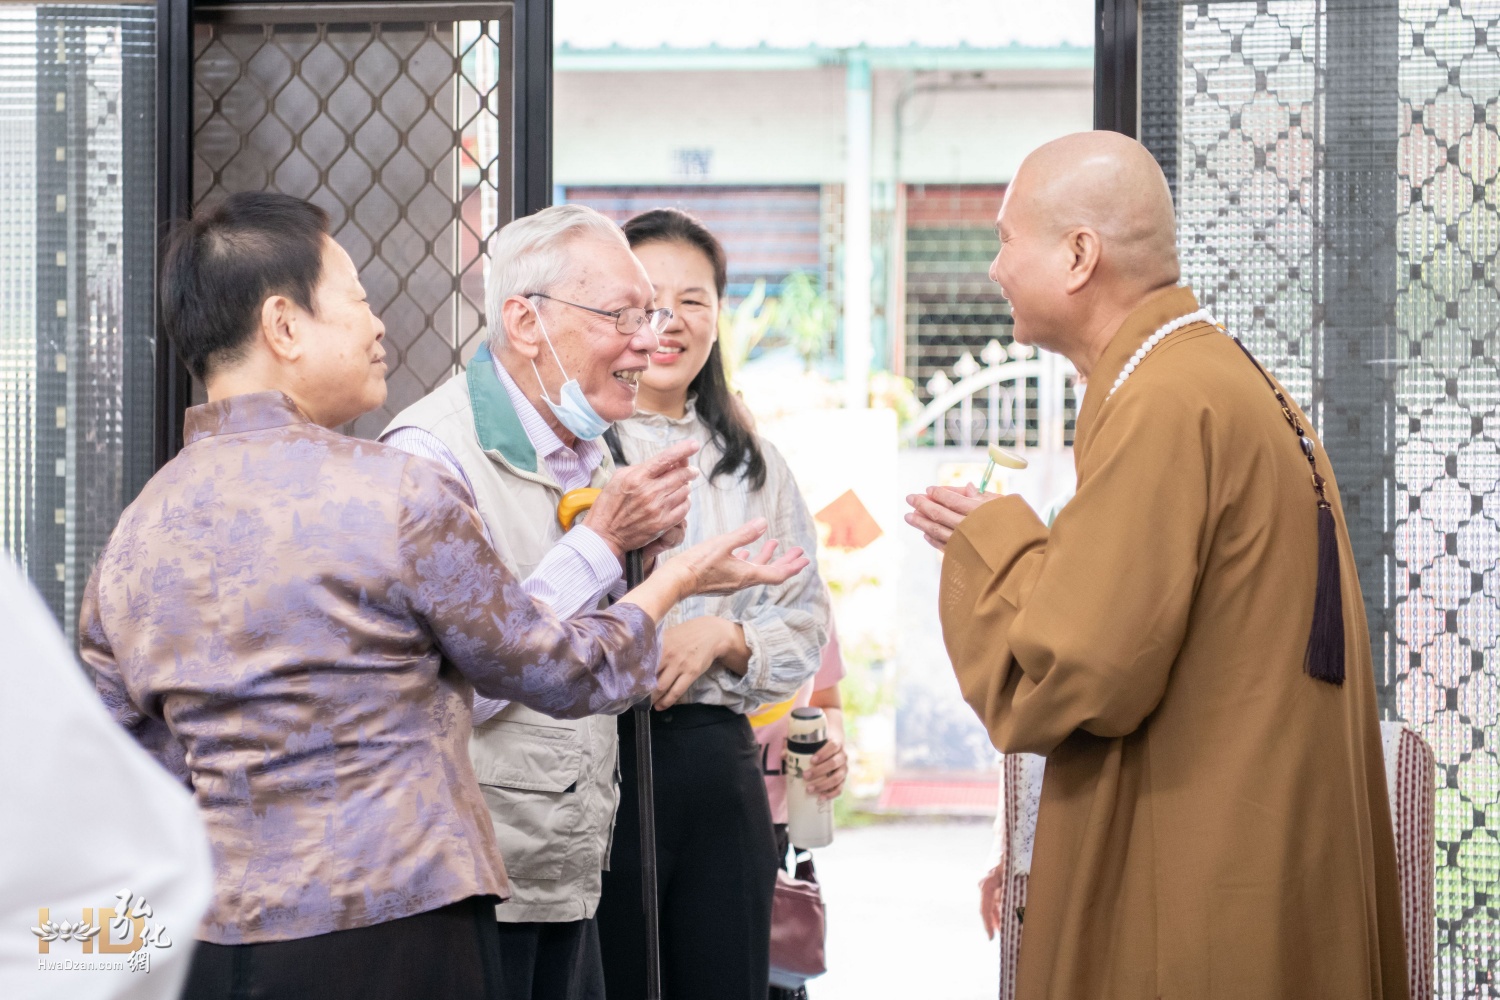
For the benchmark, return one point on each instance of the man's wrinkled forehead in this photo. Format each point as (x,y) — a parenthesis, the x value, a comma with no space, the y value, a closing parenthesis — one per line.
(603,267)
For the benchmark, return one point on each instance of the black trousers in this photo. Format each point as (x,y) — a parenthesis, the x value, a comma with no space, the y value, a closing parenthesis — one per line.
(716,860)
(551,961)
(445,954)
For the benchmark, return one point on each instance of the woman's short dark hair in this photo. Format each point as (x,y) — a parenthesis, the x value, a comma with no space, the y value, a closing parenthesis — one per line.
(718,409)
(221,264)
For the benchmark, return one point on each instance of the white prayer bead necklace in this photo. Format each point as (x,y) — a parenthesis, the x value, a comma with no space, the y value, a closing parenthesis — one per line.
(1202,315)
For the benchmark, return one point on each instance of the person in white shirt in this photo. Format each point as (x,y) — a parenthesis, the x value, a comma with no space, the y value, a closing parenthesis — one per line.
(89,818)
(722,659)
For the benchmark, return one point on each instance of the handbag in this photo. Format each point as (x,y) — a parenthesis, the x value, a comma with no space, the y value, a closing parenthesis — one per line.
(798,927)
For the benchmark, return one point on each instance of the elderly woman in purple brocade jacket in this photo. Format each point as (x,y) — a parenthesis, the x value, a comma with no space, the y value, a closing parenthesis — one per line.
(295,622)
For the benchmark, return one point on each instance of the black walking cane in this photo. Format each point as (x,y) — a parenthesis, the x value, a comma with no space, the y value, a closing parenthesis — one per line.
(645,781)
(645,784)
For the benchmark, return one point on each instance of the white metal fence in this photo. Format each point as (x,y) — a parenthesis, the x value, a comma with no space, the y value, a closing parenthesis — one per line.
(1016,398)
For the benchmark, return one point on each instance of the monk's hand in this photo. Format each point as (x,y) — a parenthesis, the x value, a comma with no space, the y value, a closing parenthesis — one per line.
(642,502)
(687,651)
(989,899)
(939,511)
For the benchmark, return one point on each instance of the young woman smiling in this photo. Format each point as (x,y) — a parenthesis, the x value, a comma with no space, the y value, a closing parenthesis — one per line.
(721,659)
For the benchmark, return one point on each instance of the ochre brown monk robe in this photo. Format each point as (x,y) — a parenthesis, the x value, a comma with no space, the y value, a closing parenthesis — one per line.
(1214,821)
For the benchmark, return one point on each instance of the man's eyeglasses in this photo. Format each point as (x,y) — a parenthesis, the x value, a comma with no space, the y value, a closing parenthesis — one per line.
(628,320)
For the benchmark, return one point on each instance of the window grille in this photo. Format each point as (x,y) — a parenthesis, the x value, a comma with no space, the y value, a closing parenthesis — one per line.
(768,232)
(951,307)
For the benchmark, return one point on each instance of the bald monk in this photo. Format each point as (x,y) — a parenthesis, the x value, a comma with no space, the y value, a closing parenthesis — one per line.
(1186,646)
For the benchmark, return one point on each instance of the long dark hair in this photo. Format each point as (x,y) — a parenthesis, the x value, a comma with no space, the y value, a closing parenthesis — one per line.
(718,408)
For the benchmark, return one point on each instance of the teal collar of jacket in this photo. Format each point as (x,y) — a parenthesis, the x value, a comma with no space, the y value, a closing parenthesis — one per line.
(495,418)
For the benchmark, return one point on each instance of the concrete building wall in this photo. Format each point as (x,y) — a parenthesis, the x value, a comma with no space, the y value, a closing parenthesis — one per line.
(768,127)
(787,126)
(972,135)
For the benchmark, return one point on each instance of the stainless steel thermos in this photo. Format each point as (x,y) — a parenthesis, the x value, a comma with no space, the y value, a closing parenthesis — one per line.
(809,818)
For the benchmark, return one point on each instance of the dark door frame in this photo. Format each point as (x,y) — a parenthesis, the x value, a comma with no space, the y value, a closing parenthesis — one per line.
(532,110)
(174,200)
(531,150)
(1117,83)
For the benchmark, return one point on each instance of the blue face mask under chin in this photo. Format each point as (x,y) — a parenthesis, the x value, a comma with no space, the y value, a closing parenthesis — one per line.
(573,409)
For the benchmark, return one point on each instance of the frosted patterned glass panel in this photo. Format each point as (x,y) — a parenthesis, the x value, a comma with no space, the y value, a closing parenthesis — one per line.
(77,211)
(1337,170)
(1246,194)
(1447,535)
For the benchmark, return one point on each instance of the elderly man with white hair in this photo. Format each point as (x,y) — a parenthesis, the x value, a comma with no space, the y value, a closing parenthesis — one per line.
(571,329)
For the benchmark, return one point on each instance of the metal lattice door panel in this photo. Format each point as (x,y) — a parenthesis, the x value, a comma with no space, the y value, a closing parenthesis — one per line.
(399,128)
(1337,168)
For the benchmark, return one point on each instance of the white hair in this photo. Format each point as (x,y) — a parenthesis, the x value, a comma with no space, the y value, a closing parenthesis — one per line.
(530,254)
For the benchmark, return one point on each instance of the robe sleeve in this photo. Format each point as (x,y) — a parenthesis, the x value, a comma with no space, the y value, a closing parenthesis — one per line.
(1077,629)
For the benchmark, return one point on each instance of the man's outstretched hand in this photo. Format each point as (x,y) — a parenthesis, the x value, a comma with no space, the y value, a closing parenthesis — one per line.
(941,509)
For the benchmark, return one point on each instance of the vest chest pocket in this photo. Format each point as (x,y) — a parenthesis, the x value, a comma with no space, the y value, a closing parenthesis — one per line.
(529,775)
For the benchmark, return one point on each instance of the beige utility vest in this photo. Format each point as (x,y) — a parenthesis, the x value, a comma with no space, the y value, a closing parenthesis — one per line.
(549,783)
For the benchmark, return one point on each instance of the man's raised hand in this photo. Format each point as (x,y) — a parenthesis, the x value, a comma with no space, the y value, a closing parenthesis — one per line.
(643,502)
(668,540)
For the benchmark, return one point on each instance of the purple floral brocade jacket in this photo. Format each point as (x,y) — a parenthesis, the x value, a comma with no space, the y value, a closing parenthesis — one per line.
(294,622)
